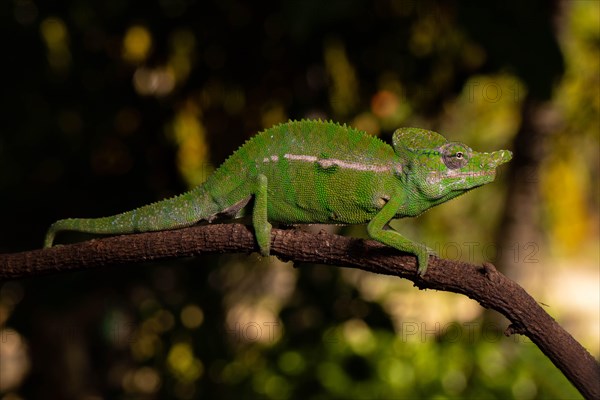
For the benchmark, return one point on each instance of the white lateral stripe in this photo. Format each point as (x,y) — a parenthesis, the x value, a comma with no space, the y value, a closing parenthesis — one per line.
(272,158)
(300,157)
(330,162)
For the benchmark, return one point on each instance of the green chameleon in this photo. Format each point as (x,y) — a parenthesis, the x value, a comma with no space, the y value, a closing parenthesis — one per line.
(318,172)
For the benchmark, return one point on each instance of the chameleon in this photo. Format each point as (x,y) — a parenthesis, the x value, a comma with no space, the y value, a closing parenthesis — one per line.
(318,172)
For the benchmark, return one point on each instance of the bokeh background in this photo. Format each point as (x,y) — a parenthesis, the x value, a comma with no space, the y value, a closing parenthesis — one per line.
(105,106)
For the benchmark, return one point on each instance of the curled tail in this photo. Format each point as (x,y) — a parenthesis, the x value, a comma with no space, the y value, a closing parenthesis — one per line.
(177,212)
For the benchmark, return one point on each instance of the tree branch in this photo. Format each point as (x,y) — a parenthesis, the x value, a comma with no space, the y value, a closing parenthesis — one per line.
(483,284)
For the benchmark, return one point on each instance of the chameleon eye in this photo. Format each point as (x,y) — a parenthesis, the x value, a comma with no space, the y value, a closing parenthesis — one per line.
(454,155)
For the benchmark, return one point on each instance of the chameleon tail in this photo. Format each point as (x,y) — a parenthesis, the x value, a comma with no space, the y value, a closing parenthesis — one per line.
(177,212)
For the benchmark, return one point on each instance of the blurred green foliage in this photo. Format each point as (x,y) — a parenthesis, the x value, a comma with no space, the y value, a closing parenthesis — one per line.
(110,105)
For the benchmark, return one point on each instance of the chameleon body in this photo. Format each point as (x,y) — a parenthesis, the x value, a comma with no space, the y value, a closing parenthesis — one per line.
(318,172)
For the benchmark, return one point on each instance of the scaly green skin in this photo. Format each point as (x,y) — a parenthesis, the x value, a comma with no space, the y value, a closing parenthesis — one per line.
(318,172)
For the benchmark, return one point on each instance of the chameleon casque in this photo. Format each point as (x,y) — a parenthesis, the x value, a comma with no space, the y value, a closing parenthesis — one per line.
(307,172)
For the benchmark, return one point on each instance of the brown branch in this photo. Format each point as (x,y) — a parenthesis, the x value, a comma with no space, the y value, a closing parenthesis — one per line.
(483,284)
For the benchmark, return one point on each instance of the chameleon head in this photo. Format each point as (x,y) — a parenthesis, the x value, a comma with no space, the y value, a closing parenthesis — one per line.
(437,170)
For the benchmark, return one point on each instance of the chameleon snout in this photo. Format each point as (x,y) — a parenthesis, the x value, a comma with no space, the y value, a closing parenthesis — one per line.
(499,157)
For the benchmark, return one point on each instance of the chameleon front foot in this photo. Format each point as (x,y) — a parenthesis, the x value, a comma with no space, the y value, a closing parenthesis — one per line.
(423,252)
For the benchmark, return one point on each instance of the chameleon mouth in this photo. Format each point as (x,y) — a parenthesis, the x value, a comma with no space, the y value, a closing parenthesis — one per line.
(437,177)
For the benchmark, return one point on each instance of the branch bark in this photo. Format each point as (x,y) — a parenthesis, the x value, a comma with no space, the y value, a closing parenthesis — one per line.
(481,283)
